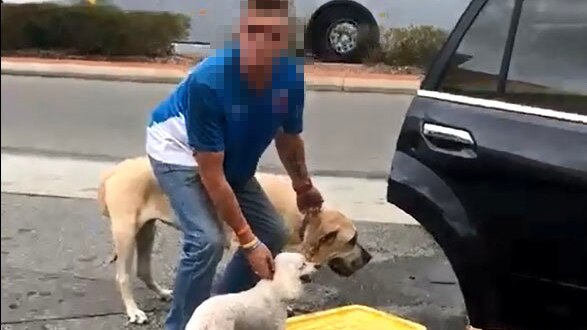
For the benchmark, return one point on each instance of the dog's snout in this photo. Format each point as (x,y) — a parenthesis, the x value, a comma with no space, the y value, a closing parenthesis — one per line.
(365,256)
(305,278)
(339,267)
(348,266)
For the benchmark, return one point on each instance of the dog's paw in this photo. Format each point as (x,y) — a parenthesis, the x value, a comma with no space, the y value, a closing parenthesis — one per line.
(165,295)
(137,316)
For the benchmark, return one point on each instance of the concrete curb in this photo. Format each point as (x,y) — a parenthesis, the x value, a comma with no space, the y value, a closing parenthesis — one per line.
(93,76)
(172,76)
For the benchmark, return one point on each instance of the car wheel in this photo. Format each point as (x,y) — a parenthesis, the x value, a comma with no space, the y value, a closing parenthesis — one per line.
(343,33)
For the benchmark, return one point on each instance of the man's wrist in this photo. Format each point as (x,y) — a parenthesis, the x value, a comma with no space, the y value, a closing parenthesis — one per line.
(302,186)
(252,245)
(245,235)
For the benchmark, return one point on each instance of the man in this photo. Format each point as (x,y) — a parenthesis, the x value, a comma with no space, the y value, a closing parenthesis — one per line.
(222,117)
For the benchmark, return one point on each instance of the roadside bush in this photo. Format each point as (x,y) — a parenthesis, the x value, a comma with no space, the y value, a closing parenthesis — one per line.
(410,46)
(89,30)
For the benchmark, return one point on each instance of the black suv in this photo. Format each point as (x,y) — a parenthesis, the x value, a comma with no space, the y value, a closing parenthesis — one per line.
(492,161)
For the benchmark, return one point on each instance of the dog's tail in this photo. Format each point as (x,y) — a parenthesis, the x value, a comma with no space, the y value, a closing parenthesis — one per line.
(101,196)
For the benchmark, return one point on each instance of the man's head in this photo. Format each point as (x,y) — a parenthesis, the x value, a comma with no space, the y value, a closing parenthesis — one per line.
(264,31)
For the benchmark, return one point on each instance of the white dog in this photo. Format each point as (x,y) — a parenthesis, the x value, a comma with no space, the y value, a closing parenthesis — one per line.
(263,307)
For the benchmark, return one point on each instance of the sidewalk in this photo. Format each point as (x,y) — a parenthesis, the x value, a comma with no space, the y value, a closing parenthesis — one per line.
(360,199)
(324,77)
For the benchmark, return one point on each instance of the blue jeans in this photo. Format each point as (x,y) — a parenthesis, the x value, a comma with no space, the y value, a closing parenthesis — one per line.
(202,243)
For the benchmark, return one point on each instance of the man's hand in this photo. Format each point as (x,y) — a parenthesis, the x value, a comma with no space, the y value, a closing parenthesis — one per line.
(309,198)
(261,261)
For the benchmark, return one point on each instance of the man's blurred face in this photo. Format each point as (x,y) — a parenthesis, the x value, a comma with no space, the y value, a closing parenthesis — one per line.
(263,36)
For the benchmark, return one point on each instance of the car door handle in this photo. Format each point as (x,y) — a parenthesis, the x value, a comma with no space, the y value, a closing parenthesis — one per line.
(449,140)
(448,134)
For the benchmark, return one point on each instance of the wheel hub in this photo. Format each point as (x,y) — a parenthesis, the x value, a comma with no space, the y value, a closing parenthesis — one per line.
(343,37)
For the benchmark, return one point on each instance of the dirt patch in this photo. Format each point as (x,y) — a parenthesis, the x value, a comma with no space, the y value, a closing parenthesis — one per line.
(379,71)
(186,60)
(379,68)
(314,68)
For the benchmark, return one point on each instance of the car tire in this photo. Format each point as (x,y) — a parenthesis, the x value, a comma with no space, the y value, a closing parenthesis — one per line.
(343,34)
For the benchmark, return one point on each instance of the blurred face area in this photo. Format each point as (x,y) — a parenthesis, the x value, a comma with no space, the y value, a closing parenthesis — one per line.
(263,36)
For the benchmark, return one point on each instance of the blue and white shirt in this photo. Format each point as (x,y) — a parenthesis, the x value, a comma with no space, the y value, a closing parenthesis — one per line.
(214,109)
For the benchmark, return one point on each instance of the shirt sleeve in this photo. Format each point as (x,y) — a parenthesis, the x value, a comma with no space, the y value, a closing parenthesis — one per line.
(204,118)
(294,124)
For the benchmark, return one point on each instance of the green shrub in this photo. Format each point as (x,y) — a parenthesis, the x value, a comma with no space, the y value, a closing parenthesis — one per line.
(409,46)
(89,30)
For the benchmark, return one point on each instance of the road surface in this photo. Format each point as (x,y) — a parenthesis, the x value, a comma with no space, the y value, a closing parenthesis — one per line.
(347,134)
(54,274)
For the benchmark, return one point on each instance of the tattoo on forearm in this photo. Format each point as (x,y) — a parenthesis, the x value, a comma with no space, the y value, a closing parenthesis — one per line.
(292,154)
(295,163)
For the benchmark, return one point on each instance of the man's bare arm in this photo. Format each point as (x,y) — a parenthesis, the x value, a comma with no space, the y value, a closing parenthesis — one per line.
(290,148)
(221,193)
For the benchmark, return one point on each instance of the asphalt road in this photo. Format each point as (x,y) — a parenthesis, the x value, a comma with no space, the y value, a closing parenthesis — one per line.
(347,134)
(54,274)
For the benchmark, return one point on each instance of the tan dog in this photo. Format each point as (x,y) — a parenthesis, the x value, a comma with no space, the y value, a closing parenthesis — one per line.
(130,196)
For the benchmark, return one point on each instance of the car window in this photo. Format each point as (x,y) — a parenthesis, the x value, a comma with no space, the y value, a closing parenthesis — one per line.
(548,67)
(475,65)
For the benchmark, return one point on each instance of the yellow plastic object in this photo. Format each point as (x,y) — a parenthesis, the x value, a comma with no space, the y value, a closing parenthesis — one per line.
(353,317)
